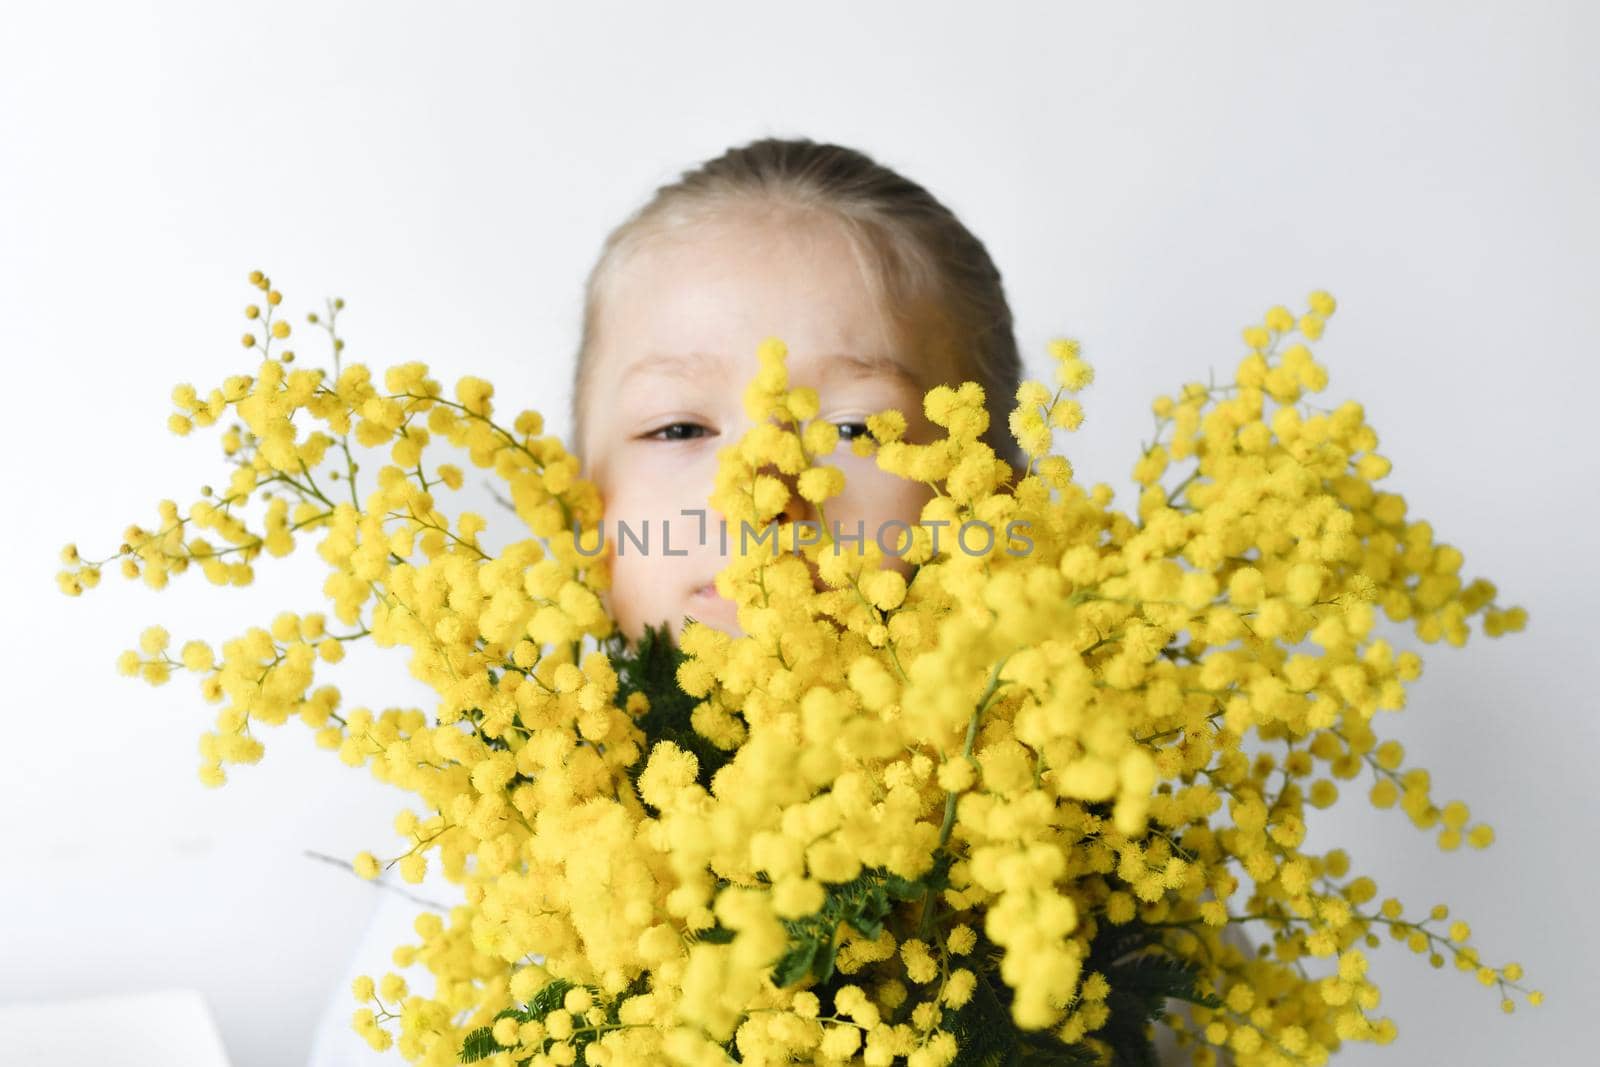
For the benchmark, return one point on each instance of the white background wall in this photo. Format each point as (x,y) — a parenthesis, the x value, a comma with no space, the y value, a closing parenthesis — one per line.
(1149,177)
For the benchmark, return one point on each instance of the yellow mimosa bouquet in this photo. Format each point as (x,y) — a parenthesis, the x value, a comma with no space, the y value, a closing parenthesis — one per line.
(999,806)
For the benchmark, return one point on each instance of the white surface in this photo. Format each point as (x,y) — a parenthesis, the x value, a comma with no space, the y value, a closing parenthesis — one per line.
(1149,179)
(154,1029)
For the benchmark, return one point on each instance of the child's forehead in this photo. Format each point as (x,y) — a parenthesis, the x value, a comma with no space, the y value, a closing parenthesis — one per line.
(827,367)
(695,304)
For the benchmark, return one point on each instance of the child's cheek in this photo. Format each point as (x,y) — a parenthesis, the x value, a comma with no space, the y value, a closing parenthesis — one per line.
(624,597)
(877,496)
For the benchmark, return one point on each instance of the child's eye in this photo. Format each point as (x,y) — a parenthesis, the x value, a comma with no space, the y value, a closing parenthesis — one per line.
(849,431)
(675,431)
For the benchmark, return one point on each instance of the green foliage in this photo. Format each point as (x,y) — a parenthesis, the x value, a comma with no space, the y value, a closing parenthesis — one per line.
(860,903)
(1142,974)
(651,667)
(480,1044)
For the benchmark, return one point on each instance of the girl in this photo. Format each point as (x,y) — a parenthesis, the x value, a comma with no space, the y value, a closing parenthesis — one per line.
(878,291)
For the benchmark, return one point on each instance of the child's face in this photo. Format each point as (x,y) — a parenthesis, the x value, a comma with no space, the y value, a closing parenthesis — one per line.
(674,350)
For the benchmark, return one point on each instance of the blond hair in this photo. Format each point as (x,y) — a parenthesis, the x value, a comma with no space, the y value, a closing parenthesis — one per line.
(925,262)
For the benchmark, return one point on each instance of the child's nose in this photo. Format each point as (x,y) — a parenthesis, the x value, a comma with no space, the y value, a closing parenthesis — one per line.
(797,507)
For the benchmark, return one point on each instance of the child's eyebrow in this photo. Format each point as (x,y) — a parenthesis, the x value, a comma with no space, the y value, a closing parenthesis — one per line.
(693,365)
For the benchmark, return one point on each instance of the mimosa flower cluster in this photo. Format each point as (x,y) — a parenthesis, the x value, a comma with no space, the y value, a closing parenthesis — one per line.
(1006,805)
